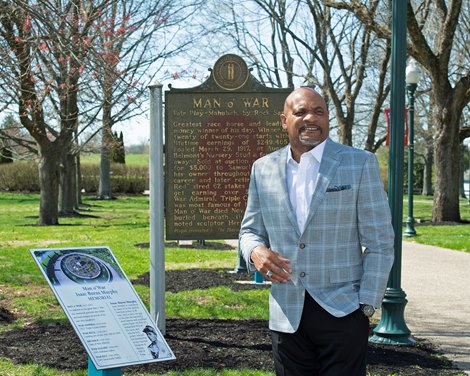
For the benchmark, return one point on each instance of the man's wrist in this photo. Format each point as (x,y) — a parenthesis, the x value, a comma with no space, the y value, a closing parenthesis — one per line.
(259,246)
(367,309)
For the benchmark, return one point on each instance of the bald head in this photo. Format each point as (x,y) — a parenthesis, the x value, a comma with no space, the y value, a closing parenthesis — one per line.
(301,91)
(305,119)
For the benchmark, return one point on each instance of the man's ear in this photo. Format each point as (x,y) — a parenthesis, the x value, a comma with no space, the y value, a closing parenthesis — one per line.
(283,121)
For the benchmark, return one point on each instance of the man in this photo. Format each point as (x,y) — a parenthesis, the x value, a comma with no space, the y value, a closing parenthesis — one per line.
(155,344)
(318,226)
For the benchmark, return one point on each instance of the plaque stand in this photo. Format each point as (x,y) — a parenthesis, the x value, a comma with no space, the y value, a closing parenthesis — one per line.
(241,264)
(92,371)
(258,278)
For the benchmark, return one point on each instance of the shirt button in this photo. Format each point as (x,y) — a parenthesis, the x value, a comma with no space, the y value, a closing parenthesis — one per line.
(301,245)
(302,274)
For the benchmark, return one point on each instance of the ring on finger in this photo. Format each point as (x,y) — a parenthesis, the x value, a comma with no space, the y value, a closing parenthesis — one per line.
(269,274)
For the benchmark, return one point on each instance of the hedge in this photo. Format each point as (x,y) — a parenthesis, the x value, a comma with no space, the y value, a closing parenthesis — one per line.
(23,177)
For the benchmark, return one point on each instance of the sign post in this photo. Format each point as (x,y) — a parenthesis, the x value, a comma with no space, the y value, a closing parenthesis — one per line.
(157,242)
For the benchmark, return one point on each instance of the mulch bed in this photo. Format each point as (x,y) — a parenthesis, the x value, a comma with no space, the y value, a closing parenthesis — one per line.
(218,344)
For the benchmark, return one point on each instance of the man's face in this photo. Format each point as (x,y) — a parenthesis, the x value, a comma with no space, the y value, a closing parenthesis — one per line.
(305,119)
(152,336)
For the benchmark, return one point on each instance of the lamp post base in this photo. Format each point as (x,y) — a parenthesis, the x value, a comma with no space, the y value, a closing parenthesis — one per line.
(392,329)
(410,228)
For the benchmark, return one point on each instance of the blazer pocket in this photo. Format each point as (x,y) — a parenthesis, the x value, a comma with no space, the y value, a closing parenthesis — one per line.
(346,274)
(338,188)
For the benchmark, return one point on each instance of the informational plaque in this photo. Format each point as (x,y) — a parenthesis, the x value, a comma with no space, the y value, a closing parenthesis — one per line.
(104,309)
(213,134)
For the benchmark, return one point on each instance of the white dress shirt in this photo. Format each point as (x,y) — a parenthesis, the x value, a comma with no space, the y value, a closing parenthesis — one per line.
(301,181)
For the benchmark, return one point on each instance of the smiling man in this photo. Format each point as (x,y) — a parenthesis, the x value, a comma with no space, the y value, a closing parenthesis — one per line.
(318,226)
(306,120)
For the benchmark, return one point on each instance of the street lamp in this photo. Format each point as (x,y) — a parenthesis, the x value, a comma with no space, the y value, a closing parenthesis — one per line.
(392,329)
(412,79)
(469,173)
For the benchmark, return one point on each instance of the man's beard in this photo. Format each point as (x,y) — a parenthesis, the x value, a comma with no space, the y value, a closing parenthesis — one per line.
(309,142)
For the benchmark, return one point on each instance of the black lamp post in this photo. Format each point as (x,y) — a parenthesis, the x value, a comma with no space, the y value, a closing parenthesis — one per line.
(412,78)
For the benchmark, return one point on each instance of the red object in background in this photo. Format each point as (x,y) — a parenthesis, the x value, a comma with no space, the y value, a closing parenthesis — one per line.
(387,116)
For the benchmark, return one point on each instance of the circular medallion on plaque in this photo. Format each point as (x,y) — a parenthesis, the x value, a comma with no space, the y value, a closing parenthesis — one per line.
(81,266)
(230,72)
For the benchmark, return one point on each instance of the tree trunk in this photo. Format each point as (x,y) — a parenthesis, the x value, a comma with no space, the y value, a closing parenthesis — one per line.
(345,131)
(73,183)
(348,139)
(79,181)
(447,154)
(462,170)
(427,175)
(68,186)
(105,166)
(49,183)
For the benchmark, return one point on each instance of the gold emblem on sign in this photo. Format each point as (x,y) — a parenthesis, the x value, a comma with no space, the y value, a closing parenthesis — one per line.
(230,72)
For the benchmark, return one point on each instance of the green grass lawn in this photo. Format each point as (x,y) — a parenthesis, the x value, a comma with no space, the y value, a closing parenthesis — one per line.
(122,224)
(449,236)
(140,160)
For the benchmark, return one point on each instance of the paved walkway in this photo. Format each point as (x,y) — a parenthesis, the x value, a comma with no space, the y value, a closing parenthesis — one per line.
(437,284)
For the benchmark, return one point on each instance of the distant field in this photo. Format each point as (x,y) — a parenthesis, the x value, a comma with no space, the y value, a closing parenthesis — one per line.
(131,159)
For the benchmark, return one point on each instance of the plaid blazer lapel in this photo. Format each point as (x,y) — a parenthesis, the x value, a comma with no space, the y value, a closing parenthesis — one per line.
(281,166)
(329,163)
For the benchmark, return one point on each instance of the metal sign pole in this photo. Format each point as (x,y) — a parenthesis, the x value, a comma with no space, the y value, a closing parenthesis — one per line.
(157,245)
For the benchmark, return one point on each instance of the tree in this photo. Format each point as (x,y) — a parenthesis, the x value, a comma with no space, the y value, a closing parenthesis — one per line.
(15,141)
(344,89)
(118,153)
(424,131)
(50,52)
(44,45)
(135,38)
(6,144)
(433,35)
(287,42)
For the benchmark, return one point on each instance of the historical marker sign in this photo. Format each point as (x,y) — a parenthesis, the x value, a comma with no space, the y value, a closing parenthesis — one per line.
(214,133)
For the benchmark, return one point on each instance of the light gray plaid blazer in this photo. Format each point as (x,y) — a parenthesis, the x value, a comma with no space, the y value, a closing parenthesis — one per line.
(345,253)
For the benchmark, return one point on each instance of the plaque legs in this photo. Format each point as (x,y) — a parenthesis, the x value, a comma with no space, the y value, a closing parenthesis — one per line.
(92,371)
(258,278)
(241,263)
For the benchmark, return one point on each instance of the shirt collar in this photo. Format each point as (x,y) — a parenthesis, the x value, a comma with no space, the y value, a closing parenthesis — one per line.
(317,153)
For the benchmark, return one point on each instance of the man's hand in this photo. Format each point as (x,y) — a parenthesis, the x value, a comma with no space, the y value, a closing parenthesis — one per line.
(272,265)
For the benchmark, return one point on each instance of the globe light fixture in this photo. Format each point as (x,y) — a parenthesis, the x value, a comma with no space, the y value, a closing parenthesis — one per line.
(413,73)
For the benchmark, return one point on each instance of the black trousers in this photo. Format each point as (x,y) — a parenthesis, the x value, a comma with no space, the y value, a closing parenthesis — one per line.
(324,345)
